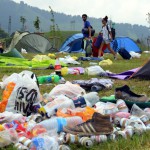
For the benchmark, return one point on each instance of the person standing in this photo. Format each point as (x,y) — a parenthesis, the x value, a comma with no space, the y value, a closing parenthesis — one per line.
(107,37)
(87,35)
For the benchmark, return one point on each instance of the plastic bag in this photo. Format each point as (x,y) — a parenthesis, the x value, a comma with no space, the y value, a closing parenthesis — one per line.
(94,70)
(85,113)
(68,89)
(135,55)
(44,142)
(7,137)
(9,116)
(25,95)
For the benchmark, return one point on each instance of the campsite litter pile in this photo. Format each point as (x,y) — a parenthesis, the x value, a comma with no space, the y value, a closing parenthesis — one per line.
(68,114)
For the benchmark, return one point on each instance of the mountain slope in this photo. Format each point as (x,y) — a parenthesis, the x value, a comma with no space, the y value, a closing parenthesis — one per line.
(15,10)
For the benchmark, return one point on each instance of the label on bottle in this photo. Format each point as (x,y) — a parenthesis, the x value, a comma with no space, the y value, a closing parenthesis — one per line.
(79,102)
(57,67)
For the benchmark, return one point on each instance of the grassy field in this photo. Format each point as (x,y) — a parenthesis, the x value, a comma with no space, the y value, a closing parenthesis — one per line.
(136,85)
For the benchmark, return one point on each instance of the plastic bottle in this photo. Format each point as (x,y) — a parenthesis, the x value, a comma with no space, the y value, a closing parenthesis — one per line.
(50,124)
(57,67)
(64,71)
(60,102)
(73,121)
(89,99)
(44,79)
(48,79)
(58,123)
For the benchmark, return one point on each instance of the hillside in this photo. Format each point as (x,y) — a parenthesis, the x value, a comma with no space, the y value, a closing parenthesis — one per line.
(15,10)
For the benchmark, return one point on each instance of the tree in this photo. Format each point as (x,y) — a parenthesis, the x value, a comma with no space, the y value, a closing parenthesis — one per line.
(37,24)
(148,19)
(52,27)
(23,21)
(3,34)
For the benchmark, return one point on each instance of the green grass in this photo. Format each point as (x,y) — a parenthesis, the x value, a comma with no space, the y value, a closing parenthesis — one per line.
(138,86)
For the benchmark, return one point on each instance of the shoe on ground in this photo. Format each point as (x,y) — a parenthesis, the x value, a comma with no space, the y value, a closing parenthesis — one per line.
(125,93)
(98,125)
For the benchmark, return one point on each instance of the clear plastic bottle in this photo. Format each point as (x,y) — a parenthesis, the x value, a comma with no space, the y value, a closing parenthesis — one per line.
(73,121)
(89,99)
(49,124)
(60,102)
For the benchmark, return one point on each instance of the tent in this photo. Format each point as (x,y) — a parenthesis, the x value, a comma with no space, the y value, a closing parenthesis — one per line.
(143,72)
(31,42)
(140,72)
(12,53)
(73,44)
(126,43)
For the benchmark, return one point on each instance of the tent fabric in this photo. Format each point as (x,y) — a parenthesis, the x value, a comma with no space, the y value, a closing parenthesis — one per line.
(123,75)
(31,42)
(143,72)
(12,62)
(12,53)
(17,36)
(73,44)
(126,43)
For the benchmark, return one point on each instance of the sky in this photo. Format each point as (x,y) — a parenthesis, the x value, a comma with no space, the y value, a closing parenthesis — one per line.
(119,11)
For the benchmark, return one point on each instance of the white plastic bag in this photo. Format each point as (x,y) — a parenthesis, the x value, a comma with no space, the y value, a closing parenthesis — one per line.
(24,96)
(135,55)
(94,70)
(68,89)
(9,116)
(7,137)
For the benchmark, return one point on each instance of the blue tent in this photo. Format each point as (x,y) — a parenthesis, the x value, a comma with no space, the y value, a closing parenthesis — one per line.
(126,43)
(73,44)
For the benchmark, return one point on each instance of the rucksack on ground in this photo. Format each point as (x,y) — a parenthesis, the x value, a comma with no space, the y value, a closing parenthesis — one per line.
(124,53)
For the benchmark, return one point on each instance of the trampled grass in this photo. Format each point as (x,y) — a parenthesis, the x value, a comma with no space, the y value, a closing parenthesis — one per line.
(138,86)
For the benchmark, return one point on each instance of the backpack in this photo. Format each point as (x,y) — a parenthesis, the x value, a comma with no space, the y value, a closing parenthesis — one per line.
(113,32)
(124,53)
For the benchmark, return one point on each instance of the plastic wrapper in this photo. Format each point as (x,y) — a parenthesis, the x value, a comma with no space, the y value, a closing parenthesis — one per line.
(85,113)
(9,116)
(7,137)
(44,142)
(94,70)
(68,89)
